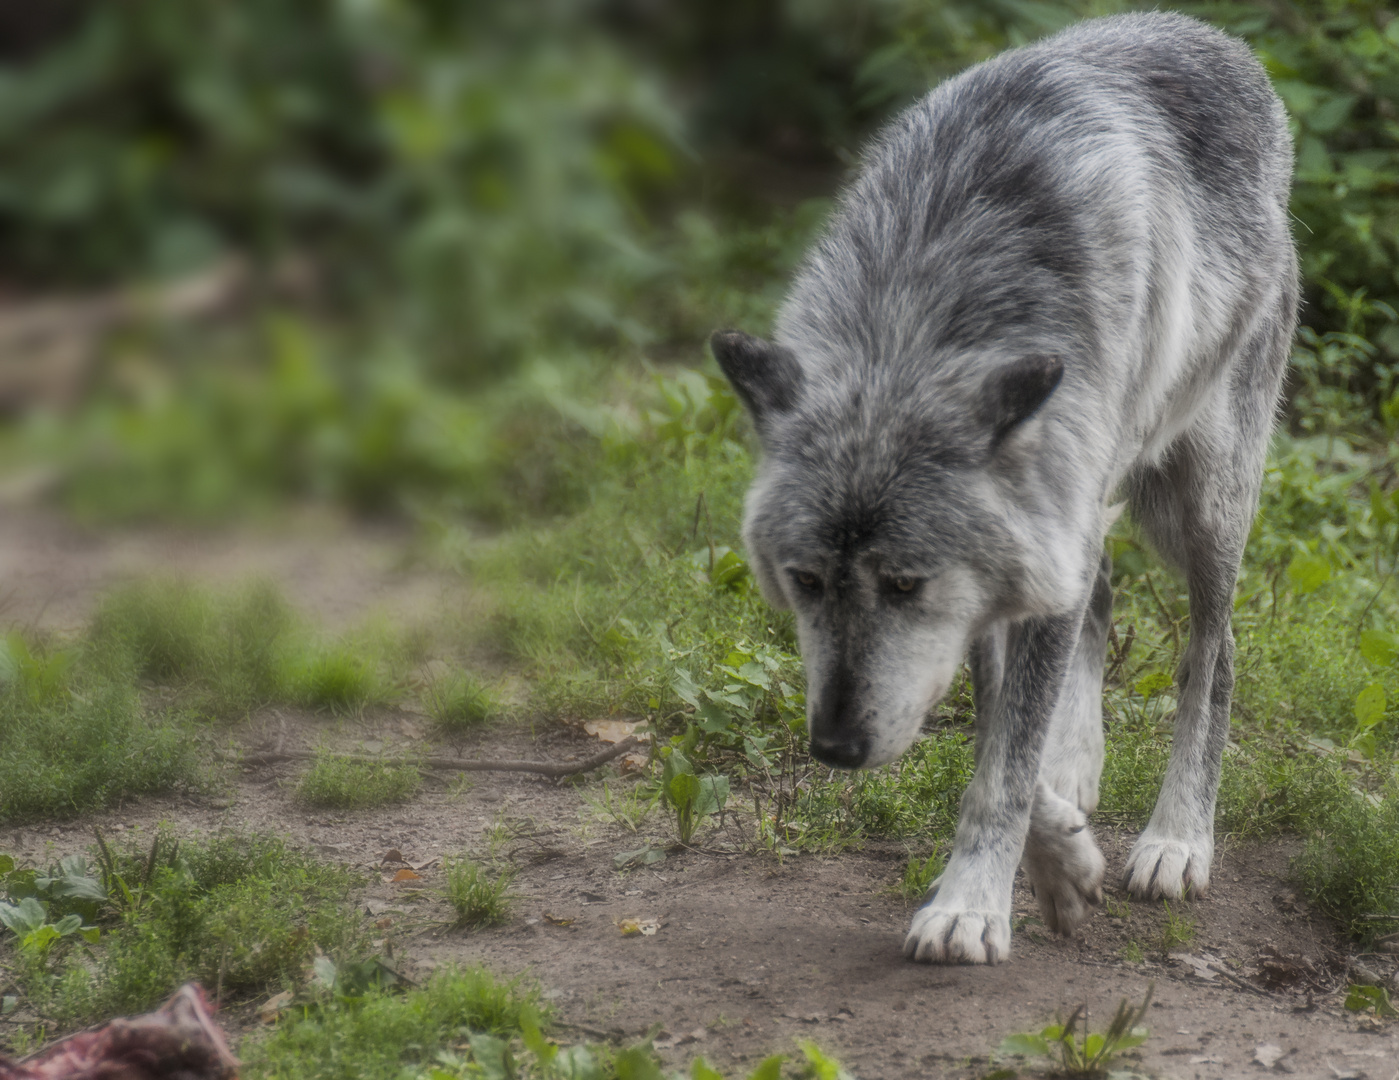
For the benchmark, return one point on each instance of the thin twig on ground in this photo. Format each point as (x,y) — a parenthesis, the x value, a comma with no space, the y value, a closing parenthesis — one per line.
(543,768)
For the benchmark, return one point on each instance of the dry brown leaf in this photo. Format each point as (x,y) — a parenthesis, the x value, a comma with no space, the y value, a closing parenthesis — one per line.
(384,923)
(644,927)
(407,875)
(557,921)
(273,1006)
(614,731)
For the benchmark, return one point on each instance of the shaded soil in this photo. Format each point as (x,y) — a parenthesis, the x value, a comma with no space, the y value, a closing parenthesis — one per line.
(752,951)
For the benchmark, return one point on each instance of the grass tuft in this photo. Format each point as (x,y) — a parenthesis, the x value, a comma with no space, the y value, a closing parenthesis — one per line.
(460,702)
(345,783)
(478,897)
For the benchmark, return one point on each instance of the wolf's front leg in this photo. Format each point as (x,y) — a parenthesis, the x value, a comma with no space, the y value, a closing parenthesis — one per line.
(967,916)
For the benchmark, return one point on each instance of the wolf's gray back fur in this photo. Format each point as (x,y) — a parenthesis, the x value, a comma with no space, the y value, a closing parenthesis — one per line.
(1062,278)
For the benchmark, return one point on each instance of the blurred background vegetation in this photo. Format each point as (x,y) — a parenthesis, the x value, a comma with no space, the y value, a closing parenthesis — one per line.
(387,252)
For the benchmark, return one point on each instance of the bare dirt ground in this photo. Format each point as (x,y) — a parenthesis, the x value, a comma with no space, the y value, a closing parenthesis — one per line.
(752,951)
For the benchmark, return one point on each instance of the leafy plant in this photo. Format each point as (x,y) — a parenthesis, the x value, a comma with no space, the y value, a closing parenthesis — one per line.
(1371,999)
(460,702)
(1088,1054)
(692,798)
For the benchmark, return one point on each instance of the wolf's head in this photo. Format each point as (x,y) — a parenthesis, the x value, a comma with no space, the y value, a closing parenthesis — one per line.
(886,515)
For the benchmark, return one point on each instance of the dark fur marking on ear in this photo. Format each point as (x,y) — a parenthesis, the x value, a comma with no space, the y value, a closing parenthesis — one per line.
(766,377)
(1015,391)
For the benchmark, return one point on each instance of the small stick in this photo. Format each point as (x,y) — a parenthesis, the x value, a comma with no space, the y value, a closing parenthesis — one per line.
(543,768)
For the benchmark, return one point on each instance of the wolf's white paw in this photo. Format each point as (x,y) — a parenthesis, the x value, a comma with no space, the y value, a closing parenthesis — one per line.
(944,936)
(1065,869)
(1160,867)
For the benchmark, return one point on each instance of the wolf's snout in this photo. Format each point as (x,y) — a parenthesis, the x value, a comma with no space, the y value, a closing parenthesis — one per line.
(842,751)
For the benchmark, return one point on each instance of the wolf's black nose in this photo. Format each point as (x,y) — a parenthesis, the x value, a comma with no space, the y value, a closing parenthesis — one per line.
(843,753)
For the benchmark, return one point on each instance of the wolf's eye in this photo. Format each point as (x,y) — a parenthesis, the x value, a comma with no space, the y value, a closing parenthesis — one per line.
(904,584)
(807,581)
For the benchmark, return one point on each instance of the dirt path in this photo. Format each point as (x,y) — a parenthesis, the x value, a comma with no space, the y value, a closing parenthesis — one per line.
(752,952)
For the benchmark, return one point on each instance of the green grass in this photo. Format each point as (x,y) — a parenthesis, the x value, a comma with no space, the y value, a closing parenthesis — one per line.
(345,783)
(460,702)
(478,896)
(389,1036)
(918,877)
(82,741)
(242,913)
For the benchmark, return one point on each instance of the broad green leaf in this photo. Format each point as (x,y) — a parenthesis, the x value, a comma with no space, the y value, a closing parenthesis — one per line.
(684,791)
(91,934)
(68,925)
(1308,573)
(713,718)
(7,863)
(578,1063)
(636,1063)
(543,1050)
(493,1057)
(1092,1045)
(1135,1037)
(1379,647)
(713,794)
(25,917)
(700,1070)
(1025,1045)
(1369,706)
(323,972)
(820,1065)
(768,1068)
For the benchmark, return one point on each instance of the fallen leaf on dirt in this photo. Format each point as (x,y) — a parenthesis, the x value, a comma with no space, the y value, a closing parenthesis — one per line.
(614,731)
(1198,967)
(424,864)
(406,875)
(666,1041)
(392,855)
(273,1006)
(644,927)
(646,856)
(384,923)
(1267,1054)
(635,762)
(556,921)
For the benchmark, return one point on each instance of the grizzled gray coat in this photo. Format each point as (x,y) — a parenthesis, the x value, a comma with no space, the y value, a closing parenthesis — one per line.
(1063,279)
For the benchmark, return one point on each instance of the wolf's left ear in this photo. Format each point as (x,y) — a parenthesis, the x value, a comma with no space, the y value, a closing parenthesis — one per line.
(1012,393)
(765,376)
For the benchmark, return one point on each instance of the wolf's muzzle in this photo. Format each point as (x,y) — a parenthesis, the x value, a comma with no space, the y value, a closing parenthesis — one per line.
(842,751)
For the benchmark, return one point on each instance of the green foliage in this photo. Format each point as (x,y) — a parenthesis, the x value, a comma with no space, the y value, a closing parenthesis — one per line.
(85,744)
(918,877)
(478,896)
(384,1036)
(482,162)
(1371,999)
(1350,865)
(347,783)
(460,702)
(1089,1055)
(691,798)
(227,650)
(239,912)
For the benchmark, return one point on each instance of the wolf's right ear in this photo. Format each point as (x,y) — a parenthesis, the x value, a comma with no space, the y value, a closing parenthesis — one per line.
(1011,394)
(765,376)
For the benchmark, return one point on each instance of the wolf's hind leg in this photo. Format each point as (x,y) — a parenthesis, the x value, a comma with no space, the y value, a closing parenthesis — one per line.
(1063,864)
(1197,508)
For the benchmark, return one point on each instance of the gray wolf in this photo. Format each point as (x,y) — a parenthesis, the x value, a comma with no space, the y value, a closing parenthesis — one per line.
(1062,279)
